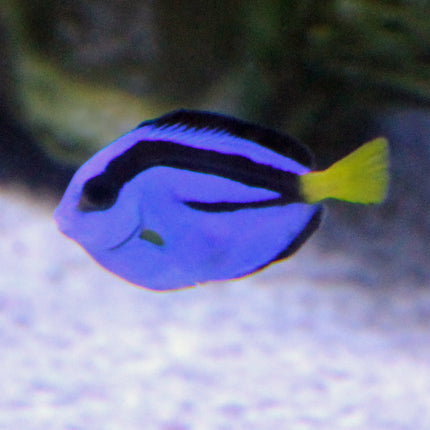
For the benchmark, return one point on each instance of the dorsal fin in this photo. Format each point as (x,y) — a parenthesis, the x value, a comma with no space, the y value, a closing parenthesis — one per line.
(271,139)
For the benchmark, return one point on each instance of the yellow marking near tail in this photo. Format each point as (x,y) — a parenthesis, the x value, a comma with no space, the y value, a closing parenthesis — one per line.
(360,177)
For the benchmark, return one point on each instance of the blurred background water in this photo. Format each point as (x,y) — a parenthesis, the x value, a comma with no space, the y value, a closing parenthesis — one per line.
(76,75)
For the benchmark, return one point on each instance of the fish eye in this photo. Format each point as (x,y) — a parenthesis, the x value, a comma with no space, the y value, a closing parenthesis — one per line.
(98,194)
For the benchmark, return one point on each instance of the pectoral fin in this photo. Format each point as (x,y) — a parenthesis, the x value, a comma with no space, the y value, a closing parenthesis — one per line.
(152,237)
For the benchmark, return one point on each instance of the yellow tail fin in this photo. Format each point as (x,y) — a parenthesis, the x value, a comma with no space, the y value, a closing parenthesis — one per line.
(360,177)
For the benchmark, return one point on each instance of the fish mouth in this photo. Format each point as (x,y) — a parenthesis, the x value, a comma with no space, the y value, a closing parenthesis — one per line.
(126,240)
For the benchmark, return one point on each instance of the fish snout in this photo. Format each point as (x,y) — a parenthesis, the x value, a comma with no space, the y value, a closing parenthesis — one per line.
(63,224)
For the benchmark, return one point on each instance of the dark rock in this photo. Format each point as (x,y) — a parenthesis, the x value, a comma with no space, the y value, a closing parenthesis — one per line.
(175,50)
(23,161)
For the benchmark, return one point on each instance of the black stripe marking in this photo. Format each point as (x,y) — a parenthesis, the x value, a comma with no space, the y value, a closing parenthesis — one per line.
(235,206)
(271,139)
(100,192)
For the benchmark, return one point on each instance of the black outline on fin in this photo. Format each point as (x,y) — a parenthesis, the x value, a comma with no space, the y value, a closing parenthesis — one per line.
(295,245)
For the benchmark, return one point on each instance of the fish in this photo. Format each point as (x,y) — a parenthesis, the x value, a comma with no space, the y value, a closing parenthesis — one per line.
(194,196)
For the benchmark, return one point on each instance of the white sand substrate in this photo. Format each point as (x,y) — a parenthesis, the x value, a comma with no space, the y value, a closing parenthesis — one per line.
(298,346)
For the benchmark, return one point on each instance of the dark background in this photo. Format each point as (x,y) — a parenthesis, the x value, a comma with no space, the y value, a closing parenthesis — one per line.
(74,75)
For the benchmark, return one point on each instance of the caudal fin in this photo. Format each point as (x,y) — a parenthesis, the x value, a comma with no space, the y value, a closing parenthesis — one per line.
(360,177)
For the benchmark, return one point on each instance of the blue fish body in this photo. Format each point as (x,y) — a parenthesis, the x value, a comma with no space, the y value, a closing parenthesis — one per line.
(188,198)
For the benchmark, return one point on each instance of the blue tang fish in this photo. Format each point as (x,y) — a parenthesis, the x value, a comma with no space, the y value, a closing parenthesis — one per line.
(194,196)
